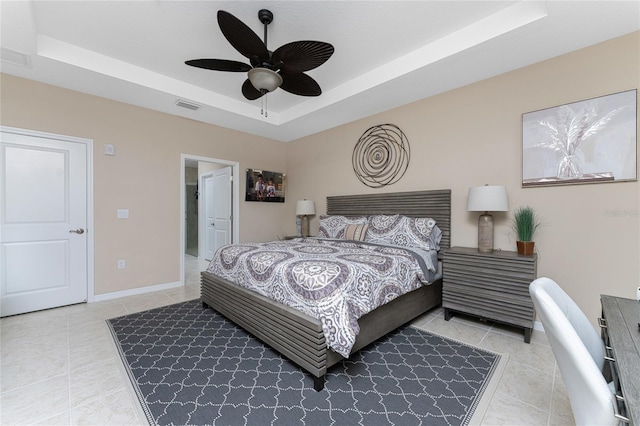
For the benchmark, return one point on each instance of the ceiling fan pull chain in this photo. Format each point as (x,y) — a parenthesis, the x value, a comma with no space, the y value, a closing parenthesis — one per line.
(263,103)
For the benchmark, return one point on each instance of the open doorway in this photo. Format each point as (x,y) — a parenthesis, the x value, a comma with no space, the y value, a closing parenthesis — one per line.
(194,211)
(192,199)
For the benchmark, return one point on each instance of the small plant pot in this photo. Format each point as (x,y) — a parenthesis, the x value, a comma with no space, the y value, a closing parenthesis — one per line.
(525,248)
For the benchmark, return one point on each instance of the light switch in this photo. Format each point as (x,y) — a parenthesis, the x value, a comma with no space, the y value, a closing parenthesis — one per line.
(123,213)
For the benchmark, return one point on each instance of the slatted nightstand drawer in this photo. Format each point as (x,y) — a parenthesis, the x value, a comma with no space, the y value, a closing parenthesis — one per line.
(489,285)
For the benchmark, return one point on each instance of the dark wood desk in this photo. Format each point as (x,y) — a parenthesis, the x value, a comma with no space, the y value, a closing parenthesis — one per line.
(623,335)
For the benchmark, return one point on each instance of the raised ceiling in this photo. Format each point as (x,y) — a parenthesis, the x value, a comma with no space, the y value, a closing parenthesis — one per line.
(387,53)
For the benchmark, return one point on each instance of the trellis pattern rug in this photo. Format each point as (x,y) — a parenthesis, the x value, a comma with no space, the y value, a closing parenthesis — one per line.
(189,365)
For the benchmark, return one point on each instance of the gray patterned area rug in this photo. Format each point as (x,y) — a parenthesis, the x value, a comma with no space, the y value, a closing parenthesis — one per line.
(191,366)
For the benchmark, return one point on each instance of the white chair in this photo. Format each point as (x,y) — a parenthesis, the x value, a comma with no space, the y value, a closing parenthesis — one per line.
(579,352)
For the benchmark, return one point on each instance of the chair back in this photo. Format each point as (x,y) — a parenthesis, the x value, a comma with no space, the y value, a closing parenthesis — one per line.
(579,352)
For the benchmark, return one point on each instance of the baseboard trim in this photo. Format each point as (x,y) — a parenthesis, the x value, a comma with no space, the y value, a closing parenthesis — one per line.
(135,291)
(537,325)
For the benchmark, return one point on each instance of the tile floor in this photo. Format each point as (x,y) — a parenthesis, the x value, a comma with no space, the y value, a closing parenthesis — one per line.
(60,366)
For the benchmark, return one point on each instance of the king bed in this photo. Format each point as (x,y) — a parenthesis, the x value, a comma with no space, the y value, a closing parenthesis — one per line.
(309,340)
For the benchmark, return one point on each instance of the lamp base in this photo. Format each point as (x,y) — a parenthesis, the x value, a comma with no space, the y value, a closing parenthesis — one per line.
(305,226)
(485,233)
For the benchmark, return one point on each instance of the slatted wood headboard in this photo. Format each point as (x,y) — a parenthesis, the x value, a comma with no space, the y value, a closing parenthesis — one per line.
(433,203)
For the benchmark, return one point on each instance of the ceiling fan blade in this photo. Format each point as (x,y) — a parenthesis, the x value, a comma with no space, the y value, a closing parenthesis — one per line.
(300,84)
(300,56)
(249,91)
(242,38)
(219,65)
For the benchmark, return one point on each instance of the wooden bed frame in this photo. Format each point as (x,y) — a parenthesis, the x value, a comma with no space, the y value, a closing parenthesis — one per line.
(298,336)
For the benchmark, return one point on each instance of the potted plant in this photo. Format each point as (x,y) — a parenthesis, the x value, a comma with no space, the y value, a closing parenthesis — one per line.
(525,222)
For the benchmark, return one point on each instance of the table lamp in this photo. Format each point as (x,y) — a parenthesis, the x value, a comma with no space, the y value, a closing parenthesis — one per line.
(488,198)
(305,208)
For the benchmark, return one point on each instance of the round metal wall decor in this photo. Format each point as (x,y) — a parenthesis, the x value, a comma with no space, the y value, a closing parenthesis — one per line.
(381,156)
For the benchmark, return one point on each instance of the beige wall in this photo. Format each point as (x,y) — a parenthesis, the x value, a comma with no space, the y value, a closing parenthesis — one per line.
(472,136)
(143,177)
(466,137)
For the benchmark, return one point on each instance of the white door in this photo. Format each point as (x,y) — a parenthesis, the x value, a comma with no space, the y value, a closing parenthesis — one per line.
(217,198)
(209,221)
(222,190)
(43,220)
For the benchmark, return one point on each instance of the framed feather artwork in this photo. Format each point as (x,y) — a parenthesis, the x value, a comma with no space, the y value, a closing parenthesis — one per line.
(589,141)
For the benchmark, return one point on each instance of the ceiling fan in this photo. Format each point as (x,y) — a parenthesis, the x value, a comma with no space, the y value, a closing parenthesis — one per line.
(282,68)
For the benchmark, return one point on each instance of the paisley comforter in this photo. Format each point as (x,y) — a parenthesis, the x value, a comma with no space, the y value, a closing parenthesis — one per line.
(335,281)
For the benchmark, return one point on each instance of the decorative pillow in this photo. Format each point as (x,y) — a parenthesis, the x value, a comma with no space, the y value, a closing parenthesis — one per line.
(383,228)
(333,226)
(424,232)
(404,231)
(356,232)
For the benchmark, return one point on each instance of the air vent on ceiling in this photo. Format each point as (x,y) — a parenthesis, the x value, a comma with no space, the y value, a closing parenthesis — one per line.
(16,58)
(188,105)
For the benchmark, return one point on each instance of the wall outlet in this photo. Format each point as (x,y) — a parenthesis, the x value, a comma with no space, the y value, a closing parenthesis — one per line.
(638,294)
(123,213)
(122,264)
(109,149)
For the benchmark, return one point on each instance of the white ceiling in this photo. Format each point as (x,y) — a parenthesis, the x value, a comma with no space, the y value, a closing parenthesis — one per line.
(387,53)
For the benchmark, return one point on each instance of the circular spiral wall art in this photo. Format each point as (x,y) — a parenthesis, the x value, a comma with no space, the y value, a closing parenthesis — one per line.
(381,156)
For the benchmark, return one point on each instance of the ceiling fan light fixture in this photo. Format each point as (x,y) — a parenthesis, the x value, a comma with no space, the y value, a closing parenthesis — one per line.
(264,79)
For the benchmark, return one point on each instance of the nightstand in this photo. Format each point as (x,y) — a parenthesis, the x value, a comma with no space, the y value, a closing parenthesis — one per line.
(492,285)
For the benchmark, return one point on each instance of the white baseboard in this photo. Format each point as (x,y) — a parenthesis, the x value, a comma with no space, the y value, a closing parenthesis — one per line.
(134,291)
(537,325)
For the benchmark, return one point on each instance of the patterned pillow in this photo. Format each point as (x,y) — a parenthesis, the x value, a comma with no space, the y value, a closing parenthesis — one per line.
(333,226)
(404,231)
(356,232)
(383,228)
(424,232)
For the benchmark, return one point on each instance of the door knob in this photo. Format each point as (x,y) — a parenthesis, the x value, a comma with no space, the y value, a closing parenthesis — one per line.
(77,231)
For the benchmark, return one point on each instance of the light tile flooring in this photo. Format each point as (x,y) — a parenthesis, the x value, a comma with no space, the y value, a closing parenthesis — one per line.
(60,366)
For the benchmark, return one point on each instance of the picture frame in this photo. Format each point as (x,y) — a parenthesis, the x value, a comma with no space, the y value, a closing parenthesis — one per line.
(588,141)
(266,186)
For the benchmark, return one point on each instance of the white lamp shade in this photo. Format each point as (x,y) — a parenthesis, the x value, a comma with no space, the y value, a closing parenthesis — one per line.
(264,79)
(488,198)
(305,208)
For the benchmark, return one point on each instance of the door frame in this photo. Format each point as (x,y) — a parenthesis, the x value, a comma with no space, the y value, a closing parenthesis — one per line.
(235,205)
(89,162)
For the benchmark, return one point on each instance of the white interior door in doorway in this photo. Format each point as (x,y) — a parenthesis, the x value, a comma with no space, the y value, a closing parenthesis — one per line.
(43,221)
(208,164)
(217,206)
